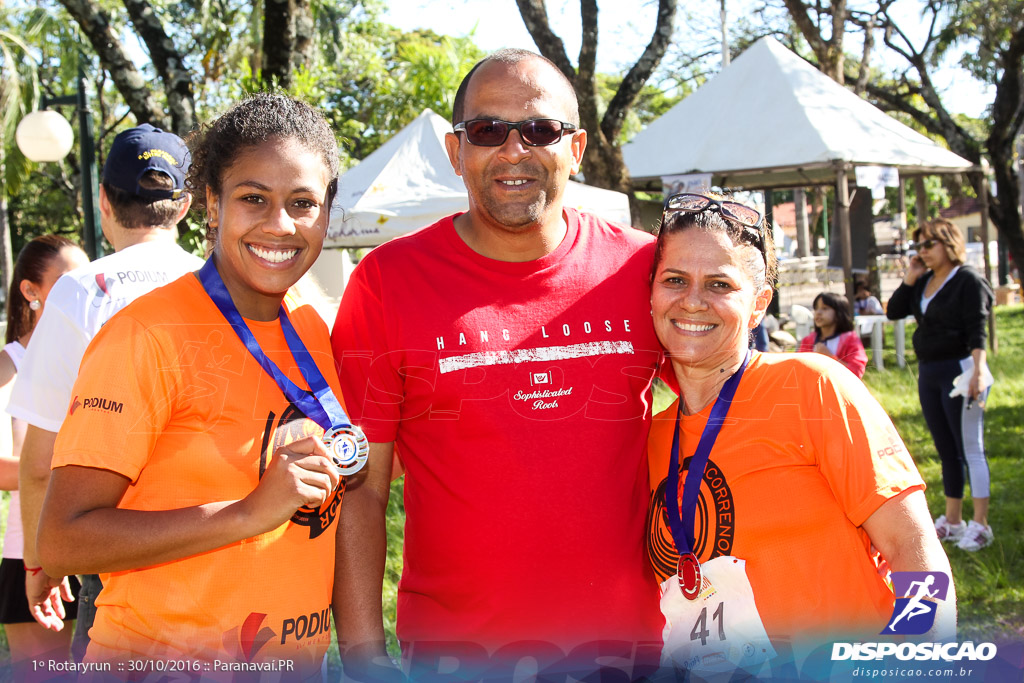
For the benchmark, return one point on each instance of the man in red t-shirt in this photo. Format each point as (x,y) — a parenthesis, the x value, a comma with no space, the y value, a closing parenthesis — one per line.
(506,356)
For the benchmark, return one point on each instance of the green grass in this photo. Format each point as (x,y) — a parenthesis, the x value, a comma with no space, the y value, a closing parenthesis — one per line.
(393,572)
(396,530)
(990,583)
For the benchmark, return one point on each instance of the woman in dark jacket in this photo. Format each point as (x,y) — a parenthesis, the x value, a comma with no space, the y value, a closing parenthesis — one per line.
(951,303)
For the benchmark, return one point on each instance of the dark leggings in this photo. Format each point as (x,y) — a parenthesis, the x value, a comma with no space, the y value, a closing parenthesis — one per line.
(956,429)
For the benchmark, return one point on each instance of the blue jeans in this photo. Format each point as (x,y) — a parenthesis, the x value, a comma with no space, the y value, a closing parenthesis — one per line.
(91,588)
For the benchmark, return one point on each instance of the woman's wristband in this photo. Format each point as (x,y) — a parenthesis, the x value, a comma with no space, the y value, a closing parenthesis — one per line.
(31,570)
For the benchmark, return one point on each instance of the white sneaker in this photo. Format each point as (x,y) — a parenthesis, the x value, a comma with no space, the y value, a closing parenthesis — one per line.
(950,533)
(976,537)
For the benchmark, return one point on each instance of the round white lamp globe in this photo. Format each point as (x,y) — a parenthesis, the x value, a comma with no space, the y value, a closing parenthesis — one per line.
(44,136)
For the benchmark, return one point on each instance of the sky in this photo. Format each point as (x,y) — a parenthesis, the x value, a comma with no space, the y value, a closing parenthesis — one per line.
(496,23)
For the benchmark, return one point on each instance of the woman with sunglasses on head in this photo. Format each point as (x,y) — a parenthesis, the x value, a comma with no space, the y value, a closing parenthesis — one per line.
(40,264)
(193,472)
(775,475)
(834,335)
(951,304)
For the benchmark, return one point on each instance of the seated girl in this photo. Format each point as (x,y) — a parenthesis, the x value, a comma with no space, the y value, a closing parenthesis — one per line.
(834,334)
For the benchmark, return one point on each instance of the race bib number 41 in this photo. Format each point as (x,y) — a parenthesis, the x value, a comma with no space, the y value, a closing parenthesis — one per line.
(718,631)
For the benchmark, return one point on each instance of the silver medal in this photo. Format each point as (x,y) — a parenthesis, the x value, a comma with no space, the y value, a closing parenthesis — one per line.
(348,449)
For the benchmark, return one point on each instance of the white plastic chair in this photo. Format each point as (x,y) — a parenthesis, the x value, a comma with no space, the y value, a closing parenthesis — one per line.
(803,318)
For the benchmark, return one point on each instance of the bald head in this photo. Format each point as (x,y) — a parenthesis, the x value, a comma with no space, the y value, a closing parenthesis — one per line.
(512,57)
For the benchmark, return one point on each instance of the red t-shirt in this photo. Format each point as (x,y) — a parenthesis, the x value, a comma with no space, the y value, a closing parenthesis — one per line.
(518,395)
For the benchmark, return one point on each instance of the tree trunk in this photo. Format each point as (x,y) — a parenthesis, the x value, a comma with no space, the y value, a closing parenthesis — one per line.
(803,235)
(167,60)
(95,23)
(865,58)
(829,53)
(1007,118)
(1004,208)
(603,166)
(874,276)
(287,40)
(6,257)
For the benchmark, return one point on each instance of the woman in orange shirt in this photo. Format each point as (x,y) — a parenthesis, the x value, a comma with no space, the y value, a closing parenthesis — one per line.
(773,475)
(191,473)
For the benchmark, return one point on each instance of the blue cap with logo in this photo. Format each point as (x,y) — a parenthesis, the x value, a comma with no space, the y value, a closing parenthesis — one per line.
(145,148)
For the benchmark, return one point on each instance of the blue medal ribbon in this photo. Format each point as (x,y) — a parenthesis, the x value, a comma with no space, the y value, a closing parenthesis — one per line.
(319,404)
(681,516)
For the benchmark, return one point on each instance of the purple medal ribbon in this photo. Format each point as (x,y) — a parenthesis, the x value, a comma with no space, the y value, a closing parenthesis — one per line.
(319,404)
(681,516)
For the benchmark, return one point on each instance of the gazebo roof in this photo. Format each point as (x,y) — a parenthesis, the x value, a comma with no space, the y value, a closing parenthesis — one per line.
(770,119)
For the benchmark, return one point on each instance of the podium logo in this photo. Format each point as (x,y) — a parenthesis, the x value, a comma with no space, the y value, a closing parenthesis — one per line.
(244,643)
(105,405)
(104,283)
(917,597)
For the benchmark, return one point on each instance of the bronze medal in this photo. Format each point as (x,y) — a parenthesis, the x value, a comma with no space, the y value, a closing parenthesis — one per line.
(689,576)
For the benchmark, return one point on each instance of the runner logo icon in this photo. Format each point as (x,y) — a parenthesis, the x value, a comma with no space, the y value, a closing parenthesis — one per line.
(917,595)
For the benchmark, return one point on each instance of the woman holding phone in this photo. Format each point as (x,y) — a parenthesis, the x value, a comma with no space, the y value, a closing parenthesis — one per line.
(951,304)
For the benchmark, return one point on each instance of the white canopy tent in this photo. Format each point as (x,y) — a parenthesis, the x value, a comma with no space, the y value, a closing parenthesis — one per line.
(771,120)
(409,183)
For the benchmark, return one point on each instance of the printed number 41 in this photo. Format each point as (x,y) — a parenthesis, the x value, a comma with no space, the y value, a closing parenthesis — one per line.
(700,629)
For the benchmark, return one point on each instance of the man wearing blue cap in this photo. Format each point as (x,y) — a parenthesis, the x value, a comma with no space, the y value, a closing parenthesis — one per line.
(142,199)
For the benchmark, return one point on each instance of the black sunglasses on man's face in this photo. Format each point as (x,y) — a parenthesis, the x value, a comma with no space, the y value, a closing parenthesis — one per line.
(494,132)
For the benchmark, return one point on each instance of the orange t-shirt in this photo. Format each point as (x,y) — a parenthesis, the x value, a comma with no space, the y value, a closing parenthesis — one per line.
(168,396)
(805,456)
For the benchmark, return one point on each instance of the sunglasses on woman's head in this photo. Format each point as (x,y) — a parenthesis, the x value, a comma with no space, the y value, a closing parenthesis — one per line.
(749,218)
(699,203)
(494,132)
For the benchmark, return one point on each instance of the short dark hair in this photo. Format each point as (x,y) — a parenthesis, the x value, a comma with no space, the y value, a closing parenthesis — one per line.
(249,123)
(513,56)
(33,260)
(132,211)
(761,261)
(841,305)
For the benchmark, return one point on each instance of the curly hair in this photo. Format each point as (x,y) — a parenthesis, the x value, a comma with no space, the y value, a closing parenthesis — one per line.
(250,123)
